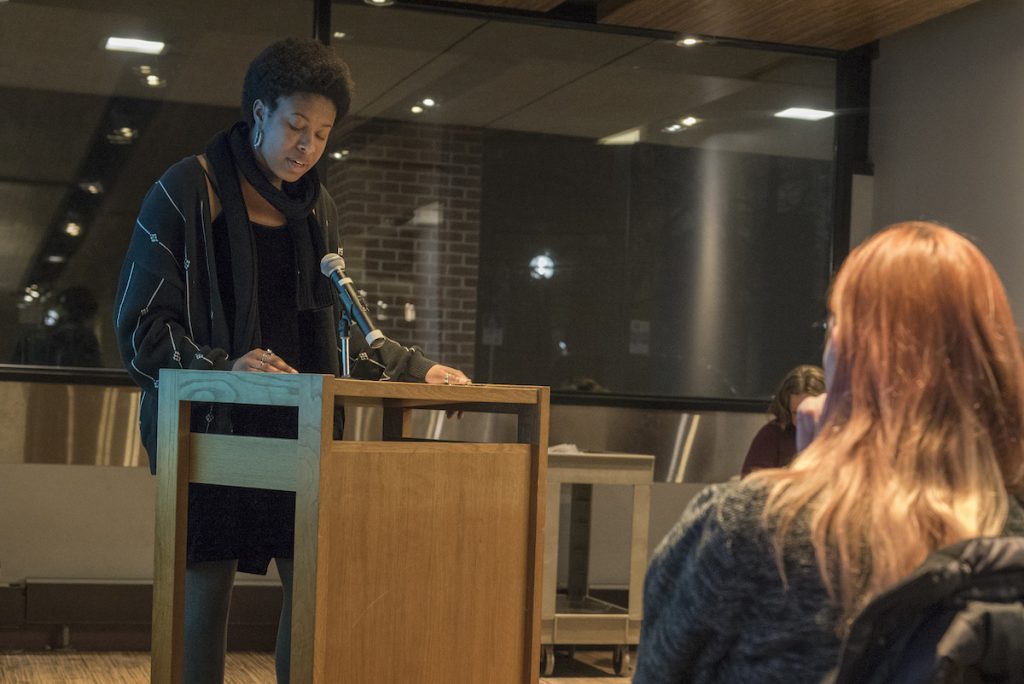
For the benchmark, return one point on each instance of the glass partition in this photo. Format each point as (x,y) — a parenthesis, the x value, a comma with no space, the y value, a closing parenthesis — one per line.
(535,203)
(595,211)
(86,131)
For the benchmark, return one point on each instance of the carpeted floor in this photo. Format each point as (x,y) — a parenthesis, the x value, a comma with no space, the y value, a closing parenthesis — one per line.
(72,667)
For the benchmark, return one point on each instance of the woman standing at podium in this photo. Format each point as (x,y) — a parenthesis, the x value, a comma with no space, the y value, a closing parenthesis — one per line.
(222,273)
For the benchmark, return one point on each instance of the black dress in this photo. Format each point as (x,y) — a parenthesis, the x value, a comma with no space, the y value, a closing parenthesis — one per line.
(255,525)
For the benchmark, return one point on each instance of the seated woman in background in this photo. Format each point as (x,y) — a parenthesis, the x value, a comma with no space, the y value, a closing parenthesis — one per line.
(774,446)
(920,446)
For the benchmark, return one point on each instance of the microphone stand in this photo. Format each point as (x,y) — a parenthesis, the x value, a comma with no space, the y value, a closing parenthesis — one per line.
(344,325)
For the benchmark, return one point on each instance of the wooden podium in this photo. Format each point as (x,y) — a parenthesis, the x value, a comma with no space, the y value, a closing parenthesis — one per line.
(415,561)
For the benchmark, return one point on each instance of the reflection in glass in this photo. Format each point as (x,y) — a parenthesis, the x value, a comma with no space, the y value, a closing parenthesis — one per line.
(691,227)
(86,130)
(542,267)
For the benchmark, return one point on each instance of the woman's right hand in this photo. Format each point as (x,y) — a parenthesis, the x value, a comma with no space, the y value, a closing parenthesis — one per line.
(261,361)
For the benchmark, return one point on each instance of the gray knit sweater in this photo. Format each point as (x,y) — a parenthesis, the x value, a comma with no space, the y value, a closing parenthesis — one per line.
(716,610)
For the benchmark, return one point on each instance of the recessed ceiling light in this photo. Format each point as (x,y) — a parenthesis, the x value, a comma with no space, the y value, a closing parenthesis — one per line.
(690,121)
(144,69)
(672,128)
(804,114)
(146,47)
(338,155)
(689,41)
(122,135)
(154,81)
(73,229)
(416,109)
(428,102)
(56,259)
(379,3)
(92,187)
(338,34)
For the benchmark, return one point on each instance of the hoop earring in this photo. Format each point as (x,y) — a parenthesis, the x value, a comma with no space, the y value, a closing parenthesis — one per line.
(259,138)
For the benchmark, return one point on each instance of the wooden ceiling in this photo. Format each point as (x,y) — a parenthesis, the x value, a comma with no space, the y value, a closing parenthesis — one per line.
(830,24)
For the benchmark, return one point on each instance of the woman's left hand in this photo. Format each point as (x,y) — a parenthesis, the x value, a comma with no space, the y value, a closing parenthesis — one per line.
(446,375)
(808,420)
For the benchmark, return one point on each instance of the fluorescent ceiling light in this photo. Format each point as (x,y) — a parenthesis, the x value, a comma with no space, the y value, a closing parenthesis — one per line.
(804,114)
(146,47)
(627,137)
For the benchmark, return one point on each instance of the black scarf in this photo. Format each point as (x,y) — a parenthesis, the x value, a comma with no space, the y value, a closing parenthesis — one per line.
(228,153)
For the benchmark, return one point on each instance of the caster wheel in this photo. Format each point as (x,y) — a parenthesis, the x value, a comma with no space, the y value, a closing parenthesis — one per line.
(620,660)
(547,660)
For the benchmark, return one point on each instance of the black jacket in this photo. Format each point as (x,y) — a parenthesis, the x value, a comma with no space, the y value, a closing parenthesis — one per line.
(168,312)
(958,618)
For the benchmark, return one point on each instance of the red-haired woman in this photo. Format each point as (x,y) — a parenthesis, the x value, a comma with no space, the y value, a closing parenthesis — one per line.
(920,446)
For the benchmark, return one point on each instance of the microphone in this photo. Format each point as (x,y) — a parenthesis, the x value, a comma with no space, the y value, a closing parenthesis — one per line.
(333,266)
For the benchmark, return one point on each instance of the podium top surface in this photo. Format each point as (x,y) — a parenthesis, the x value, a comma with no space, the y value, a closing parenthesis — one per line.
(280,389)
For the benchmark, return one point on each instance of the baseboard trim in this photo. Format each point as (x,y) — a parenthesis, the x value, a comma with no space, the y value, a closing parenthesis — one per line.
(115,616)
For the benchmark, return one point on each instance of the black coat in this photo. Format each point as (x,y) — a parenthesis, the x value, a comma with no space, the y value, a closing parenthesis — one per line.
(168,312)
(957,618)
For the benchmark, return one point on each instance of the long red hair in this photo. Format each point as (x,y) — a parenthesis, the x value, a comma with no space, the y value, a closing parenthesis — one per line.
(922,435)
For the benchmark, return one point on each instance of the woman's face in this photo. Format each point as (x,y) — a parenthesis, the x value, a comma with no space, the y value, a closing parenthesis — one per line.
(294,135)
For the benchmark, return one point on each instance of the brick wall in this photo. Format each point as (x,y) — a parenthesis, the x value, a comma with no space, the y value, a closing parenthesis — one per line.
(408,196)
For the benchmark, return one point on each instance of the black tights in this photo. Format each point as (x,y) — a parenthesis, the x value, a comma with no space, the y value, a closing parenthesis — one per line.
(207,602)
